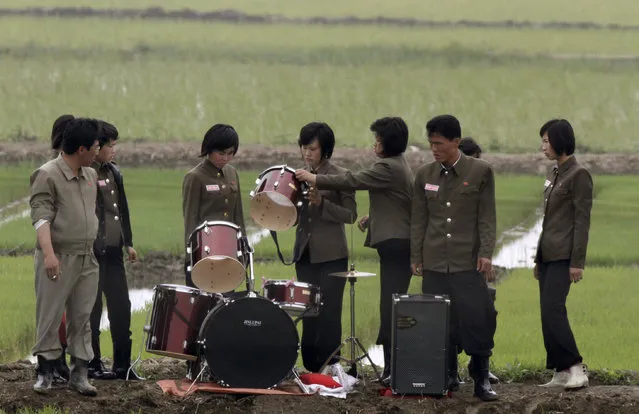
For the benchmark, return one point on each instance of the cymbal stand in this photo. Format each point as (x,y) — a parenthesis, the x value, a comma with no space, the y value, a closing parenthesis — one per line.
(355,344)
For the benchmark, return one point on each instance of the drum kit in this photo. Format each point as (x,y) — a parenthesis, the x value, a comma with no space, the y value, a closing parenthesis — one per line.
(239,339)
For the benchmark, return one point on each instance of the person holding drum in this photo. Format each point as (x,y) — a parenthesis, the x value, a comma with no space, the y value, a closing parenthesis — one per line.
(315,258)
(211,190)
(389,182)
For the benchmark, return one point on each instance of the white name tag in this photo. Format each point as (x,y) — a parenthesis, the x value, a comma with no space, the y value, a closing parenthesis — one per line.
(102,183)
(547,183)
(431,187)
(212,187)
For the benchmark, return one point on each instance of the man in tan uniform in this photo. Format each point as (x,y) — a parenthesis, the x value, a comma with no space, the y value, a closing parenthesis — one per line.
(453,225)
(63,198)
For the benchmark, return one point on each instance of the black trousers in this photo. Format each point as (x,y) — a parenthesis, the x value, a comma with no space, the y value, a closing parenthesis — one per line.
(554,285)
(472,323)
(394,277)
(114,286)
(322,334)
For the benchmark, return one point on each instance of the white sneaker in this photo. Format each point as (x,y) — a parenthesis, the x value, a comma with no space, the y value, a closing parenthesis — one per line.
(559,379)
(578,377)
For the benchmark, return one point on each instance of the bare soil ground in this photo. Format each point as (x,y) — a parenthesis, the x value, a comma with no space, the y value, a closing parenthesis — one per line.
(179,154)
(16,392)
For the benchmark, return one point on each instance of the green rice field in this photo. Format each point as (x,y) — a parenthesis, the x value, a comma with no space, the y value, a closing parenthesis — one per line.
(517,200)
(170,80)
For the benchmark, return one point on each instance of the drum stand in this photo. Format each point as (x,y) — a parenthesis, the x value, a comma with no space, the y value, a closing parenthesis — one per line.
(355,344)
(145,330)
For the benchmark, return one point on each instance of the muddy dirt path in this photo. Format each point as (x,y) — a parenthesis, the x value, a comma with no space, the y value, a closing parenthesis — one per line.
(236,16)
(145,153)
(118,397)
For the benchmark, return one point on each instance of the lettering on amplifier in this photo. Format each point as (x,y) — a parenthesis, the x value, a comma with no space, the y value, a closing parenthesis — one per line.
(419,384)
(254,324)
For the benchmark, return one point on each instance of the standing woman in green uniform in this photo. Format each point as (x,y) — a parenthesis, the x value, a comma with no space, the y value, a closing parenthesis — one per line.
(211,190)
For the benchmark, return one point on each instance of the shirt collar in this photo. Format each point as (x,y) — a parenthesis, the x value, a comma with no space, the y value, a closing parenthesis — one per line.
(66,170)
(322,167)
(216,171)
(457,166)
(569,163)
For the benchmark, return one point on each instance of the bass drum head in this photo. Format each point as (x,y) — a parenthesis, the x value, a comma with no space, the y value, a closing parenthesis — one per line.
(249,343)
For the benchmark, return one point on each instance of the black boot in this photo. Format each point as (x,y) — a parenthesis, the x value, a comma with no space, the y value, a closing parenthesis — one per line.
(453,370)
(97,370)
(60,368)
(491,377)
(479,373)
(385,380)
(45,376)
(78,381)
(122,362)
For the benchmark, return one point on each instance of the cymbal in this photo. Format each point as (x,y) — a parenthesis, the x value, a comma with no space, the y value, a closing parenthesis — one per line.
(352,273)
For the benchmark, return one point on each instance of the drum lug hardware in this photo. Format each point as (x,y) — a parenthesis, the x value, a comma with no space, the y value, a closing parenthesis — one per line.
(188,268)
(299,204)
(207,249)
(252,194)
(276,184)
(192,300)
(147,328)
(154,340)
(188,250)
(257,181)
(206,230)
(184,344)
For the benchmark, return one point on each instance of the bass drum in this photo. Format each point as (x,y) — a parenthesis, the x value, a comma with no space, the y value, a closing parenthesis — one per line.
(249,343)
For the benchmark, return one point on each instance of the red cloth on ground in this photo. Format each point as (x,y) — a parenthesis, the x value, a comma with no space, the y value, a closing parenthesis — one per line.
(320,379)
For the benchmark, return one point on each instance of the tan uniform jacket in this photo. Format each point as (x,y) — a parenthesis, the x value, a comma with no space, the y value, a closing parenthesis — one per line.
(321,228)
(567,204)
(389,182)
(68,203)
(453,215)
(211,194)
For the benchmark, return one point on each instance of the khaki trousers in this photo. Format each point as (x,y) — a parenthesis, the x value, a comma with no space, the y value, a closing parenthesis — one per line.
(74,291)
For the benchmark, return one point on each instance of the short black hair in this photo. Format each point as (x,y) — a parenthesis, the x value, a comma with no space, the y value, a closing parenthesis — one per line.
(561,137)
(544,128)
(59,125)
(446,126)
(108,133)
(324,135)
(81,132)
(392,131)
(469,147)
(219,138)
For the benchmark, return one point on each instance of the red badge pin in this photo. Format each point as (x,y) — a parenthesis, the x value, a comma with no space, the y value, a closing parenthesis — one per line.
(465,183)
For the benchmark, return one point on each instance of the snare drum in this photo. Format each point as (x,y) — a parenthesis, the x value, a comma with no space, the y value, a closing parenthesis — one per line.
(218,256)
(177,315)
(294,297)
(277,197)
